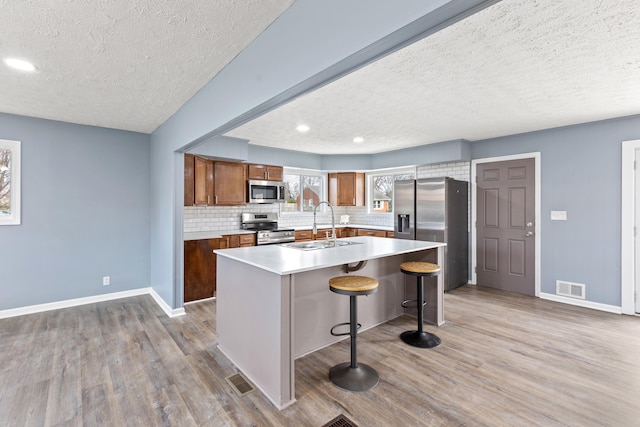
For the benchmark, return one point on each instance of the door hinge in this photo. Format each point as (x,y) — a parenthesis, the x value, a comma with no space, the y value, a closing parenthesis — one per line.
(475,269)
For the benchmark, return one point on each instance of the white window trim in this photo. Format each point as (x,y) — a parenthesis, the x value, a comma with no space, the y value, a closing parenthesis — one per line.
(14,147)
(379,172)
(308,172)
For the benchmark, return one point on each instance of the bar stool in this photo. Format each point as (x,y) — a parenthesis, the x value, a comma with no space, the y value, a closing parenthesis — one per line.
(421,270)
(353,376)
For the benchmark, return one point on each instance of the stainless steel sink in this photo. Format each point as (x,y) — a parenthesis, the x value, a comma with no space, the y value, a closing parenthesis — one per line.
(318,244)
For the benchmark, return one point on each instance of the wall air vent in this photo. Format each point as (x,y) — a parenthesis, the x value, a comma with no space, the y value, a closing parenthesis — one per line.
(569,289)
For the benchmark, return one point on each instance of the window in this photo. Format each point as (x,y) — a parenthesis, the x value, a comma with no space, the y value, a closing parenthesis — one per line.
(9,182)
(381,188)
(303,190)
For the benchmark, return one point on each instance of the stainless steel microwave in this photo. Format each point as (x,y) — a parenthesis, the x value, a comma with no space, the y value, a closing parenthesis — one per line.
(265,191)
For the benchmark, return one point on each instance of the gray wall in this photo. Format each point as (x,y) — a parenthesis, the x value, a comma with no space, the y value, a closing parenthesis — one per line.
(85,213)
(296,53)
(581,172)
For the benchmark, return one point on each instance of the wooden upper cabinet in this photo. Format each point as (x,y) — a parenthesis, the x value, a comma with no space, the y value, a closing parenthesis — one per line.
(230,183)
(265,172)
(189,180)
(203,178)
(347,189)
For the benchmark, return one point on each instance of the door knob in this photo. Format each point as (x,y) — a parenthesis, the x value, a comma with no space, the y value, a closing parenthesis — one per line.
(529,224)
(529,234)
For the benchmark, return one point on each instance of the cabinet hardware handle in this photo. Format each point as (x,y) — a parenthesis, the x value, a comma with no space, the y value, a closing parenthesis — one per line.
(208,200)
(216,200)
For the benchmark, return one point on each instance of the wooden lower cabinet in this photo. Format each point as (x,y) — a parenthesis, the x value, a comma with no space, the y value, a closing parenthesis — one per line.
(240,240)
(349,232)
(369,232)
(200,263)
(302,235)
(199,269)
(322,233)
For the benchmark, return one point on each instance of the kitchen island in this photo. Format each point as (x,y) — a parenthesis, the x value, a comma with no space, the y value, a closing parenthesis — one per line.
(274,304)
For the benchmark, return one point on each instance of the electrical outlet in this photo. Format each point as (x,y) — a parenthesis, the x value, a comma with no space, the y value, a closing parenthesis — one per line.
(106,280)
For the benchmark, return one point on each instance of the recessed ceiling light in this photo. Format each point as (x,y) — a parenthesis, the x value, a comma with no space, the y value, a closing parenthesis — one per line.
(19,64)
(358,140)
(303,128)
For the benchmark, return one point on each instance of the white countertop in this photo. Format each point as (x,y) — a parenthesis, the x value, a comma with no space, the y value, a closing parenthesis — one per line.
(200,235)
(328,225)
(282,260)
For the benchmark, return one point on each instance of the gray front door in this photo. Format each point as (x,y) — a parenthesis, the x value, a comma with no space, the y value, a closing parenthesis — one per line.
(505,225)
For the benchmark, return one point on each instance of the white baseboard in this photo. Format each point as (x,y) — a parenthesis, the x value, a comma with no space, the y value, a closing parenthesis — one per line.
(171,312)
(39,308)
(582,303)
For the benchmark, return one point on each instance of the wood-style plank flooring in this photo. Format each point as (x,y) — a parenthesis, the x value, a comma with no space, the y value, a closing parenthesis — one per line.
(505,360)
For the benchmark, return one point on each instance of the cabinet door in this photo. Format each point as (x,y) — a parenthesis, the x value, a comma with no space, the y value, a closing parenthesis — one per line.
(302,235)
(230,183)
(265,172)
(189,179)
(256,172)
(275,173)
(247,240)
(322,233)
(373,233)
(199,269)
(347,189)
(349,232)
(233,241)
(203,181)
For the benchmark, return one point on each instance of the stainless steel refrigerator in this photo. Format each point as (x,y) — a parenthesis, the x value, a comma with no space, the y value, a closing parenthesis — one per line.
(437,210)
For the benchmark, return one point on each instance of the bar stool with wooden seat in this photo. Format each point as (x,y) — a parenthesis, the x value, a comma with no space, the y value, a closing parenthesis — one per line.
(353,376)
(419,338)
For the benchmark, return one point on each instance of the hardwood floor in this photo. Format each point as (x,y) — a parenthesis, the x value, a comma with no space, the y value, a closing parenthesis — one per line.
(505,359)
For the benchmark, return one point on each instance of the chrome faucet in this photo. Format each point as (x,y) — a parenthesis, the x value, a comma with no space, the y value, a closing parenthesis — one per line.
(333,222)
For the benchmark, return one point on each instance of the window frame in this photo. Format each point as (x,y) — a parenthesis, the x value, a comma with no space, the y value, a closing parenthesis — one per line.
(15,148)
(307,172)
(412,170)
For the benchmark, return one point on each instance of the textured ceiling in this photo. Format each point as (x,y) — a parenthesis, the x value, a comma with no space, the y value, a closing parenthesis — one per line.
(517,66)
(125,64)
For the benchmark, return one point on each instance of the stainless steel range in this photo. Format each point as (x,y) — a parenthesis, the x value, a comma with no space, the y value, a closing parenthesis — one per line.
(266,227)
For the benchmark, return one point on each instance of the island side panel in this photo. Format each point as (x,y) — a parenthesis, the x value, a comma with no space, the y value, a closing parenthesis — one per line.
(433,286)
(317,309)
(254,326)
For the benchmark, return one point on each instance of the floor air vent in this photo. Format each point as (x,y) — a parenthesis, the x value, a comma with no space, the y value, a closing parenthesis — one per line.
(240,384)
(569,289)
(340,421)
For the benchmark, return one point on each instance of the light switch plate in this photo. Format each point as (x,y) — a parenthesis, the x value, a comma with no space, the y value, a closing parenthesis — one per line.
(558,215)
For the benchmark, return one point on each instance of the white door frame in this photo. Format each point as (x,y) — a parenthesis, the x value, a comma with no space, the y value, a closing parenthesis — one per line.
(474,238)
(628,254)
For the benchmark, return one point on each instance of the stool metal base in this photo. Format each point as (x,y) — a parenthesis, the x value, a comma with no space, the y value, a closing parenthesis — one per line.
(420,339)
(361,378)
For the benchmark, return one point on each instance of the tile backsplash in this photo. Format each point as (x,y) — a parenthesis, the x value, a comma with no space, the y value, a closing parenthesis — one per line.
(227,218)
